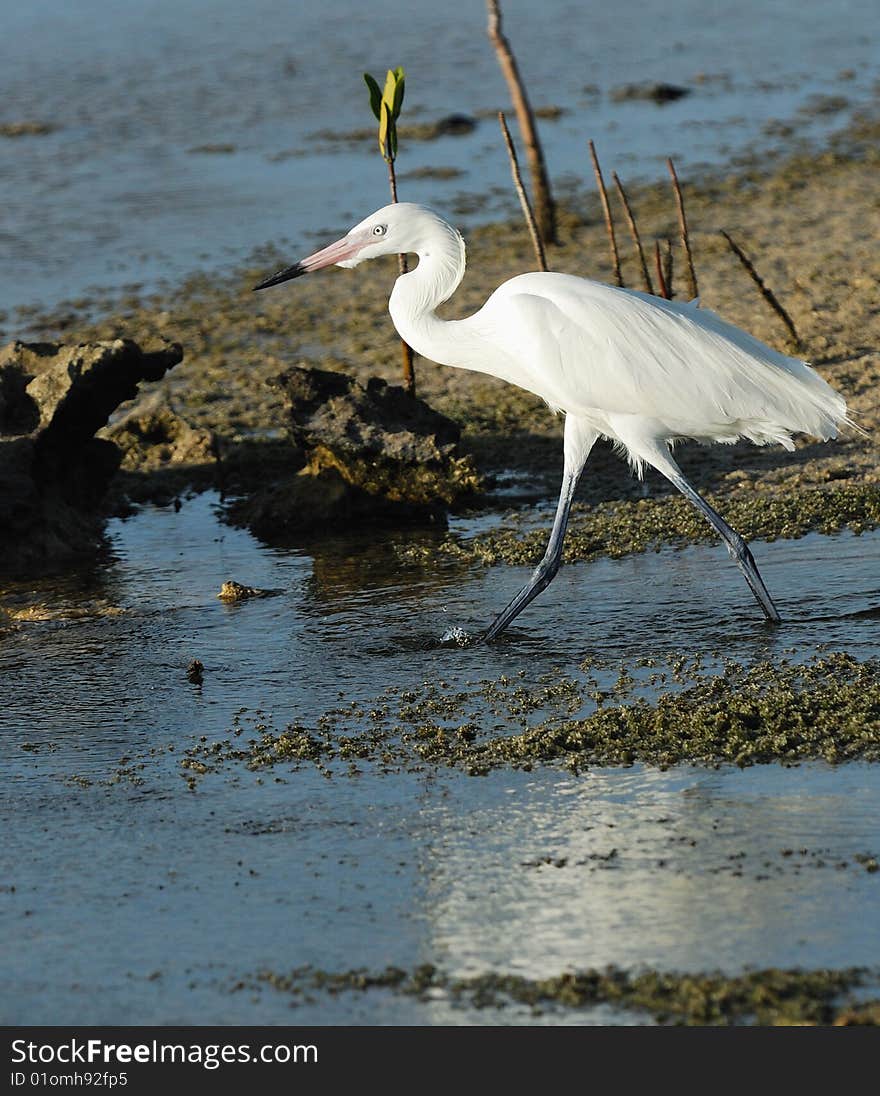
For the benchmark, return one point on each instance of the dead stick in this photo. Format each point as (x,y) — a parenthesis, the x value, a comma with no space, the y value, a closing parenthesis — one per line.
(409,373)
(767,293)
(683,227)
(609,220)
(523,197)
(658,262)
(667,268)
(646,277)
(525,117)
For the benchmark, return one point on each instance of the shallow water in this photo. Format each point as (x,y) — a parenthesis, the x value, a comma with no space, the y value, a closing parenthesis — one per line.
(138,900)
(119,192)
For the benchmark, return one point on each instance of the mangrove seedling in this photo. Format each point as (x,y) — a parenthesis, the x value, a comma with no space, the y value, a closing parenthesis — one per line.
(385,104)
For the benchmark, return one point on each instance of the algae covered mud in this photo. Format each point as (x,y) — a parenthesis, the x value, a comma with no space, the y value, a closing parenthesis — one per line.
(343,793)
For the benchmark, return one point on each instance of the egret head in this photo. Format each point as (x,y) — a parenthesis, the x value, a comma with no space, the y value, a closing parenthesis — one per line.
(393,230)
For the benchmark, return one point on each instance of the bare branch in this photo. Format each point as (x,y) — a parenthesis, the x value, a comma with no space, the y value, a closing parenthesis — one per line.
(523,197)
(544,204)
(609,220)
(634,231)
(661,278)
(683,227)
(767,293)
(667,268)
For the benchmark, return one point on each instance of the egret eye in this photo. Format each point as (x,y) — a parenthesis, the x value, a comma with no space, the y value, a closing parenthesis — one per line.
(379,230)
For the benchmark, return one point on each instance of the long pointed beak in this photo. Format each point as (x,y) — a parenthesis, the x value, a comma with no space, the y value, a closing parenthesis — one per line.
(343,249)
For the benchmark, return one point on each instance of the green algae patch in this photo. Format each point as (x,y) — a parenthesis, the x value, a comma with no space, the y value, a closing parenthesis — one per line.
(766,997)
(827,710)
(621,528)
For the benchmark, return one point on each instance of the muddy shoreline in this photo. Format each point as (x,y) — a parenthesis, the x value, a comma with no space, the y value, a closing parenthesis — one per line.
(661,714)
(766,997)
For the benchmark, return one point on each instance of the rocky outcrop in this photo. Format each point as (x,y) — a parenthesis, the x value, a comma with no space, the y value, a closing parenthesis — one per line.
(367,454)
(153,436)
(53,470)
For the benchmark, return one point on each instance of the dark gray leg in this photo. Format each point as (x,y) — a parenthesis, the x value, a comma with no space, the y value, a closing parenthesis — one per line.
(579,440)
(736,546)
(546,570)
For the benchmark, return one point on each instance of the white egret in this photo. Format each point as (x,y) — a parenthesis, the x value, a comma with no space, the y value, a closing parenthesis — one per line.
(641,371)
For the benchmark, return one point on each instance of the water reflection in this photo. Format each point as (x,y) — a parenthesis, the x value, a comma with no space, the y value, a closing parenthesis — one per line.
(689,871)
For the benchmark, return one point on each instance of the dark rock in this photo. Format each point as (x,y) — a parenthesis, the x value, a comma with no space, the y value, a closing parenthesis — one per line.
(195,672)
(53,470)
(549,113)
(380,421)
(455,125)
(313,503)
(452,125)
(152,436)
(657,93)
(19,414)
(373,456)
(232,591)
(221,149)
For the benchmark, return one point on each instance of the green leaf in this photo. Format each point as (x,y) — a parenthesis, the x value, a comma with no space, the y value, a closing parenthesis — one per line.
(388,91)
(386,131)
(398,93)
(375,93)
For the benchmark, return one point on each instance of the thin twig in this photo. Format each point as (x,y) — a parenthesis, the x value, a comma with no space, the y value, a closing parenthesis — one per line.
(767,293)
(409,373)
(646,277)
(667,268)
(609,220)
(664,292)
(523,197)
(546,207)
(683,227)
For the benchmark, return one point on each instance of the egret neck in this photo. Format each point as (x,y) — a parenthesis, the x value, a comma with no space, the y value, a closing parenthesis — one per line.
(416,295)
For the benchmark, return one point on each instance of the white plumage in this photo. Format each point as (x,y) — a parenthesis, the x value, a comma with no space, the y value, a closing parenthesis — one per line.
(637,369)
(618,351)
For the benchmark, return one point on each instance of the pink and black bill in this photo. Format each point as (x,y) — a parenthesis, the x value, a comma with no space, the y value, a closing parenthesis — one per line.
(295,271)
(341,251)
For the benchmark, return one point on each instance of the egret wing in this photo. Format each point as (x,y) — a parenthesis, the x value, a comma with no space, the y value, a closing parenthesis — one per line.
(582,345)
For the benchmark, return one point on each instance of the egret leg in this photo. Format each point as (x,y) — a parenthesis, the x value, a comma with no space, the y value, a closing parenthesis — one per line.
(579,440)
(736,546)
(546,570)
